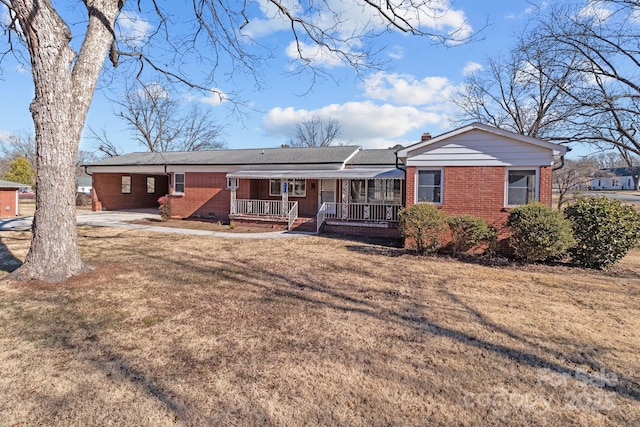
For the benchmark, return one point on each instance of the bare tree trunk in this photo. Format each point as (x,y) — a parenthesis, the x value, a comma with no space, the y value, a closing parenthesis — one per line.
(64,86)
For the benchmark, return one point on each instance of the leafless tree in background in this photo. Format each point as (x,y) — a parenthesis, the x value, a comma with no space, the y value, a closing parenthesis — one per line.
(316,132)
(158,123)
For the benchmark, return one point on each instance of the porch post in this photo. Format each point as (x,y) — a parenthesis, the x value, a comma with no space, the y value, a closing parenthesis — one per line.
(345,199)
(233,209)
(284,190)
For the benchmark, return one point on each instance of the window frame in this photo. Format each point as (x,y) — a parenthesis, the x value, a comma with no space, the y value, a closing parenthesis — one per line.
(152,185)
(290,185)
(175,182)
(382,190)
(417,185)
(122,184)
(536,196)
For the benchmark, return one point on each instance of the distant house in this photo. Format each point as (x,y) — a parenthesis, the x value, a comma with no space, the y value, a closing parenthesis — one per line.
(9,203)
(476,169)
(83,184)
(614,179)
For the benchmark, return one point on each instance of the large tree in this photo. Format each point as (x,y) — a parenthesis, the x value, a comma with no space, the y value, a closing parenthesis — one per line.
(316,132)
(523,91)
(158,122)
(66,61)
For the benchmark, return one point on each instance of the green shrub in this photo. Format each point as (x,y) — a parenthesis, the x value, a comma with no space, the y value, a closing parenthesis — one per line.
(424,224)
(604,229)
(538,233)
(165,207)
(468,231)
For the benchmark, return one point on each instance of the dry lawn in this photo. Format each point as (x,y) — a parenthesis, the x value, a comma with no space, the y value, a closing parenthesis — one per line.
(180,330)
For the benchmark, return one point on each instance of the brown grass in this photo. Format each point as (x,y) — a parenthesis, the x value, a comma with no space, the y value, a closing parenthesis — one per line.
(199,224)
(182,330)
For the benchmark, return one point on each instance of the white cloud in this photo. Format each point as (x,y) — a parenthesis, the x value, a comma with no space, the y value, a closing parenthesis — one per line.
(313,53)
(363,123)
(358,18)
(215,97)
(133,30)
(407,90)
(21,69)
(471,67)
(536,8)
(4,136)
(153,90)
(273,21)
(396,52)
(595,10)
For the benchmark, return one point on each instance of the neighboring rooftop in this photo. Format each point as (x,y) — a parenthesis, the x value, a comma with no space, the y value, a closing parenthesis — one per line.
(11,184)
(618,172)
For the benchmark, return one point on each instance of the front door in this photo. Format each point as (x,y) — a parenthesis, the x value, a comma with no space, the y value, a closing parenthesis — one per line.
(327,194)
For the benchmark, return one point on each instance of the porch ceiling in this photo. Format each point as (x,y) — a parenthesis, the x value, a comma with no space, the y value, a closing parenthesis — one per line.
(359,173)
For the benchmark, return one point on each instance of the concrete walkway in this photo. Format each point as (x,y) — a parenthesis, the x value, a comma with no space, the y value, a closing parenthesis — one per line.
(119,219)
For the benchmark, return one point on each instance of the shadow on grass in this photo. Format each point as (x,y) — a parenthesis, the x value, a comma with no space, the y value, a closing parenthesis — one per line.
(8,262)
(312,291)
(308,289)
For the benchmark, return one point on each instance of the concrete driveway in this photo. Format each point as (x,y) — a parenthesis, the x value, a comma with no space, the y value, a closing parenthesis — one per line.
(623,196)
(119,219)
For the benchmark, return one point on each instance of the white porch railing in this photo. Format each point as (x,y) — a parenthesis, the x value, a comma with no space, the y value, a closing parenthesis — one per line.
(321,216)
(358,212)
(263,207)
(292,215)
(267,208)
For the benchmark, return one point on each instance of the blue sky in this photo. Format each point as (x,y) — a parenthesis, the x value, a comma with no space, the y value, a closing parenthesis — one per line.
(389,107)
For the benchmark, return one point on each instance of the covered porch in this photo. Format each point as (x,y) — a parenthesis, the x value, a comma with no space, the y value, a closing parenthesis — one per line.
(358,197)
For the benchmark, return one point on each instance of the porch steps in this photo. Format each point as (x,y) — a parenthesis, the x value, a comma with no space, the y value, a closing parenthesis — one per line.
(306,224)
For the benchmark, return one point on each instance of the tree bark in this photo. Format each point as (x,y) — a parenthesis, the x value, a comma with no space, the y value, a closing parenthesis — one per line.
(64,84)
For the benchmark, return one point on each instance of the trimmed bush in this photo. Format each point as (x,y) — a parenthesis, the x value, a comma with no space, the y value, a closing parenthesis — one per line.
(538,233)
(468,231)
(165,207)
(424,224)
(604,229)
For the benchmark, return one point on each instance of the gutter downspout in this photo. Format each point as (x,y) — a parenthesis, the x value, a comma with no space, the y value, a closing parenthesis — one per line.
(561,161)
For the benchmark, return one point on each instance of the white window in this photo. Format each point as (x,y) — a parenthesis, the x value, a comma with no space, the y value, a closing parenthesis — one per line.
(522,186)
(295,187)
(151,185)
(376,191)
(126,184)
(232,183)
(178,183)
(429,186)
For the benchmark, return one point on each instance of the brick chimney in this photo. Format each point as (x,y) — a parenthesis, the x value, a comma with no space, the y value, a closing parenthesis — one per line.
(425,137)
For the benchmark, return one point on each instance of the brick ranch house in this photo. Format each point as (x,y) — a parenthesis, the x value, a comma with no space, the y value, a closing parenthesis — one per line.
(476,169)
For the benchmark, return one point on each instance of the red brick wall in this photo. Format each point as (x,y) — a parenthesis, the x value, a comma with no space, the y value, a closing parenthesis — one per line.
(545,185)
(205,194)
(8,200)
(478,191)
(107,191)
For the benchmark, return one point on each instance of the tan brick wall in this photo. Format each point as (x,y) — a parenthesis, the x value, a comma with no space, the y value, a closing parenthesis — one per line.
(107,191)
(8,200)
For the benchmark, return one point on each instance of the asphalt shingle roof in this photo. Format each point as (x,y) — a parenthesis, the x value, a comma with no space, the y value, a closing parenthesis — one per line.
(256,156)
(386,157)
